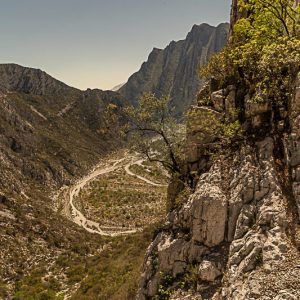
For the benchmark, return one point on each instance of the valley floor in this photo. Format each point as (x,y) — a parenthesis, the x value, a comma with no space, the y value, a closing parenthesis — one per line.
(127,185)
(114,211)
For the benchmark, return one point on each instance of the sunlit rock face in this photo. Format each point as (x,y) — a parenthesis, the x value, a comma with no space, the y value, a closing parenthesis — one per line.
(233,230)
(238,233)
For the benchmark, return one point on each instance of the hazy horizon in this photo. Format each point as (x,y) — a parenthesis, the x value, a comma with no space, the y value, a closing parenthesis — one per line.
(97,44)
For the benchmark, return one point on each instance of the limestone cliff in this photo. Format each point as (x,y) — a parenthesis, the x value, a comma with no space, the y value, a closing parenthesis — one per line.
(174,70)
(238,234)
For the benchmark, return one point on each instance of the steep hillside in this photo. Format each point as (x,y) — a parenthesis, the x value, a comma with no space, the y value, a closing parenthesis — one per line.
(174,70)
(49,135)
(237,235)
(49,131)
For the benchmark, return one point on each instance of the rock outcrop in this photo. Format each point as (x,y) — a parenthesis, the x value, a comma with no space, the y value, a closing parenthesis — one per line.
(238,234)
(174,70)
(292,143)
(238,212)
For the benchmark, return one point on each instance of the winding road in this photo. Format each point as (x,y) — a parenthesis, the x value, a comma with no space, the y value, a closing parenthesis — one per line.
(78,217)
(139,162)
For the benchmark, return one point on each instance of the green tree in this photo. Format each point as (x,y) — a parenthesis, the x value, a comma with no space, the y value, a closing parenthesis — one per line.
(263,53)
(155,132)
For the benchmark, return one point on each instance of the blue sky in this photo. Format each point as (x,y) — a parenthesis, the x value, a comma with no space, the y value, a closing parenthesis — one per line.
(97,43)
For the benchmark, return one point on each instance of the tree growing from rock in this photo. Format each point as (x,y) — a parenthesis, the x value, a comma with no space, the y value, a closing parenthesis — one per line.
(155,132)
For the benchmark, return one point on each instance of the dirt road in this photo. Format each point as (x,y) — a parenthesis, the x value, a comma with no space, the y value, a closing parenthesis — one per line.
(78,217)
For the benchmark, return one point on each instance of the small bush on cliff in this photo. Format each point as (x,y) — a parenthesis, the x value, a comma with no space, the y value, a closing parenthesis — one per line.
(263,54)
(214,130)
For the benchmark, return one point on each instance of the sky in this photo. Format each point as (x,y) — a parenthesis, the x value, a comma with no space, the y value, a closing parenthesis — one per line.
(97,43)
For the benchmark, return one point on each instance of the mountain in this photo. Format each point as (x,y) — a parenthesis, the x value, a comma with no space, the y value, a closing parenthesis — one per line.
(174,70)
(76,216)
(48,130)
(28,80)
(49,135)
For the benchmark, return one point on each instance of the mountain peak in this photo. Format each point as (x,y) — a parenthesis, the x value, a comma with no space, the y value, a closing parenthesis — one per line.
(15,77)
(173,70)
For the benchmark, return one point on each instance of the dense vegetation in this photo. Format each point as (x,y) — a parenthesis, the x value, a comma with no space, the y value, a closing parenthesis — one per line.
(263,54)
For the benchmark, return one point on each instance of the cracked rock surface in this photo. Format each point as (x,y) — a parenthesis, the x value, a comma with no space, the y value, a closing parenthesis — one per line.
(235,226)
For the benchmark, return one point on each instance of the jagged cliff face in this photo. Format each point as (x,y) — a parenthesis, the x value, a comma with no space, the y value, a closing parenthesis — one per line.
(174,70)
(238,234)
(292,148)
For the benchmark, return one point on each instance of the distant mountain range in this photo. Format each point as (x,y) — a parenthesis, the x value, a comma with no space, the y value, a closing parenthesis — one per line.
(50,130)
(173,71)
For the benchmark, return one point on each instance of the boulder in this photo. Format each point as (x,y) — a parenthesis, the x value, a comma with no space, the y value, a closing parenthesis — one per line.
(208,271)
(218,100)
(209,215)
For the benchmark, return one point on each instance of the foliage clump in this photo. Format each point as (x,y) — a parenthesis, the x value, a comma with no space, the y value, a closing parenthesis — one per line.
(156,133)
(263,53)
(214,130)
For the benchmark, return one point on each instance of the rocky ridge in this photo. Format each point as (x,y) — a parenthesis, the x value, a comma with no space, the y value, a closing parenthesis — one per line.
(28,80)
(174,70)
(49,131)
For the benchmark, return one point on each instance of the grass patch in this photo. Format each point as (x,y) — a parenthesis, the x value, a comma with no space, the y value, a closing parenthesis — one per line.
(118,199)
(114,274)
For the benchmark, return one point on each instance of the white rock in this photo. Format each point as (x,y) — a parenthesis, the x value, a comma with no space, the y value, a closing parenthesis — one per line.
(208,271)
